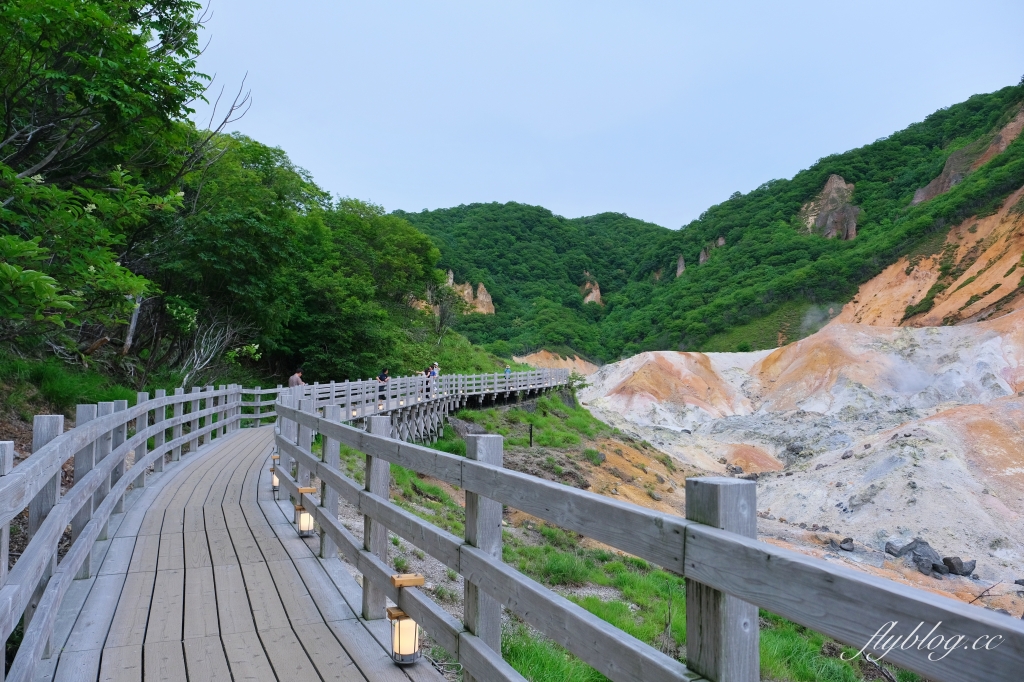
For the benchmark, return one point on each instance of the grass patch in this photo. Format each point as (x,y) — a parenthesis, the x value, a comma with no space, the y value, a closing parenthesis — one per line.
(427,500)
(539,660)
(450,442)
(761,333)
(30,383)
(555,424)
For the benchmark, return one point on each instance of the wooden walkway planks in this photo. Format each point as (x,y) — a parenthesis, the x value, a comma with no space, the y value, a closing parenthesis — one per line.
(197,585)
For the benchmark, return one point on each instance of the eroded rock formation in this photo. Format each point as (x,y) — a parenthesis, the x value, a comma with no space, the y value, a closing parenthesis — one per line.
(591,290)
(680,266)
(831,213)
(478,303)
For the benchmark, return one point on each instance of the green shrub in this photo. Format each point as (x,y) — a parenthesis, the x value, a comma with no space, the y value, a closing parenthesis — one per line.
(593,456)
(566,569)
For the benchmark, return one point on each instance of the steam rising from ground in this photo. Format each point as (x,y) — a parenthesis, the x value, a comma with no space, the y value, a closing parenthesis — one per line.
(817,316)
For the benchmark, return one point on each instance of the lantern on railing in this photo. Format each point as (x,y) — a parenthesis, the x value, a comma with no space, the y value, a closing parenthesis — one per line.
(303,521)
(405,637)
(275,484)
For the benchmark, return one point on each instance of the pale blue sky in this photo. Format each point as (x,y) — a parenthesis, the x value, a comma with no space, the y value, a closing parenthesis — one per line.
(655,109)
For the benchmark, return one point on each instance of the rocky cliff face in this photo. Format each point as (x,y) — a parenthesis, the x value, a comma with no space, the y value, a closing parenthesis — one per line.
(591,290)
(969,158)
(480,302)
(831,213)
(983,262)
(680,266)
(880,434)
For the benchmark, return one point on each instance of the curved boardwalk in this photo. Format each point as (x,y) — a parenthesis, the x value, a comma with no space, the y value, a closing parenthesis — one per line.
(204,578)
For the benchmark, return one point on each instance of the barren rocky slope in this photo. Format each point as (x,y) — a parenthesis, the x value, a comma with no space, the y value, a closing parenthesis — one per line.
(881,434)
(976,273)
(545,359)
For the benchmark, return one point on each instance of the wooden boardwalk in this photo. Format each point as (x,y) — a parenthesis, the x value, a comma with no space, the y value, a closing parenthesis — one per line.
(204,578)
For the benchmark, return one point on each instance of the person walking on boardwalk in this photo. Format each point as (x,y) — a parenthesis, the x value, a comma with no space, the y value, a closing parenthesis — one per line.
(296,379)
(382,380)
(508,372)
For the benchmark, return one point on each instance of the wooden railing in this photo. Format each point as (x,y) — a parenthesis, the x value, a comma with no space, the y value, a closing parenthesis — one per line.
(152,431)
(361,399)
(729,574)
(100,444)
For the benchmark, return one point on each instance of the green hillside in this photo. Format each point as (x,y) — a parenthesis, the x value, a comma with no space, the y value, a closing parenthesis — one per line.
(533,262)
(136,244)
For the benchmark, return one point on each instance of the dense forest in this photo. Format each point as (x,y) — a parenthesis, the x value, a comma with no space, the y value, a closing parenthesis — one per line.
(759,258)
(137,243)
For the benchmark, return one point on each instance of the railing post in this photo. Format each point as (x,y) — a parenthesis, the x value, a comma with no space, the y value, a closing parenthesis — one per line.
(179,404)
(6,467)
(257,408)
(142,449)
(329,496)
(45,427)
(211,402)
(103,448)
(304,441)
(222,413)
(483,531)
(722,636)
(159,414)
(289,430)
(85,459)
(375,535)
(236,407)
(118,437)
(193,424)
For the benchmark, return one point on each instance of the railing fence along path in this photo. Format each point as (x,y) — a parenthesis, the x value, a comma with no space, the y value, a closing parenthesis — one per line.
(729,574)
(113,446)
(419,404)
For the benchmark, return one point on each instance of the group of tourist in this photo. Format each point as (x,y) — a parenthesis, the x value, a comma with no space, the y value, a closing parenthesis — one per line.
(384,376)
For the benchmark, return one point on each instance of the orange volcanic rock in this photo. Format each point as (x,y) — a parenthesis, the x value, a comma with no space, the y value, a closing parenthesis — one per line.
(991,440)
(680,379)
(480,302)
(987,280)
(545,359)
(969,158)
(865,366)
(751,458)
(883,300)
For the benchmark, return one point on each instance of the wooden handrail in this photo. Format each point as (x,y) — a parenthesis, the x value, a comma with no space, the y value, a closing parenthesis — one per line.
(108,478)
(21,587)
(840,602)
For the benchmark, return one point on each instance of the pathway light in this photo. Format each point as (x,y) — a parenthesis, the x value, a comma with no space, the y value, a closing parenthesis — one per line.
(405,637)
(304,521)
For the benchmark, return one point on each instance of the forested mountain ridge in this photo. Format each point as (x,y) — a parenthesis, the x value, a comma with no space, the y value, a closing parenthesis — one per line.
(535,265)
(759,254)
